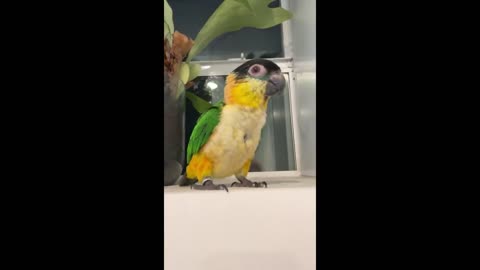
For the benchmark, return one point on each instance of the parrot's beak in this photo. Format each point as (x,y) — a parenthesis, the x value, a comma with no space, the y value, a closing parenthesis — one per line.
(275,84)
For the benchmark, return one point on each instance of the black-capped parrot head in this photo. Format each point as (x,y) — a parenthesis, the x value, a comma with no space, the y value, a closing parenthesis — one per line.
(261,72)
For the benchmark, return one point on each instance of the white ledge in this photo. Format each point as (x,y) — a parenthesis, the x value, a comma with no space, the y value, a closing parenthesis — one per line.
(246,228)
(274,183)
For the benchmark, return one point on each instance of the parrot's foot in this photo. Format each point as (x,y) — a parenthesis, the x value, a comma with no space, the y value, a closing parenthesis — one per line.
(209,185)
(244,182)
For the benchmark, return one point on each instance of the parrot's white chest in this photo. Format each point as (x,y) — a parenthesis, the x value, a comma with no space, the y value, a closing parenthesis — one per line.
(235,139)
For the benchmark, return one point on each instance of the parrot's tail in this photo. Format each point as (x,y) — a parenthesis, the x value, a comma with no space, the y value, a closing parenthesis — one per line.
(184,181)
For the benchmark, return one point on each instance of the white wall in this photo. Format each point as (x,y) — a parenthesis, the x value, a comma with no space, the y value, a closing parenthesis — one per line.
(303,50)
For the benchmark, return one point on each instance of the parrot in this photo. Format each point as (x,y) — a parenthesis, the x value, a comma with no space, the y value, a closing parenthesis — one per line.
(226,136)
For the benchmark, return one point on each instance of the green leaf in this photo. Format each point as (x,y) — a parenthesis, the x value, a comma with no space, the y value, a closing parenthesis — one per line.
(167,35)
(189,71)
(167,22)
(180,89)
(198,103)
(194,71)
(184,72)
(233,15)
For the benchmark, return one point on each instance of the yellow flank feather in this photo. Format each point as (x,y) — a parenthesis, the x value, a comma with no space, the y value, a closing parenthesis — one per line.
(199,167)
(245,168)
(232,145)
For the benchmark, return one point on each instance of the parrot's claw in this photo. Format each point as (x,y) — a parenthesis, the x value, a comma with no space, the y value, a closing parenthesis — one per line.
(209,185)
(244,182)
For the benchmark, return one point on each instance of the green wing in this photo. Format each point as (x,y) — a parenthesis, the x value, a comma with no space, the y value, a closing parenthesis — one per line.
(203,129)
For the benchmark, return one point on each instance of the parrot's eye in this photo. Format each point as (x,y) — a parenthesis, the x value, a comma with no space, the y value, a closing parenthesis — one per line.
(257,71)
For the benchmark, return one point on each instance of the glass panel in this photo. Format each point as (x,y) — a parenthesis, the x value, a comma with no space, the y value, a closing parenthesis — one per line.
(275,151)
(190,15)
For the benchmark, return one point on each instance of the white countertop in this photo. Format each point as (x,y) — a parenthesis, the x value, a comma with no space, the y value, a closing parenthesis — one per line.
(246,228)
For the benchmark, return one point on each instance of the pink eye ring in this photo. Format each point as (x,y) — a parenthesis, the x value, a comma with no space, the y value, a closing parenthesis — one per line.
(257,71)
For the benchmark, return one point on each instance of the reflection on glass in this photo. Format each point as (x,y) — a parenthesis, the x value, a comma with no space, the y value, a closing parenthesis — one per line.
(275,151)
